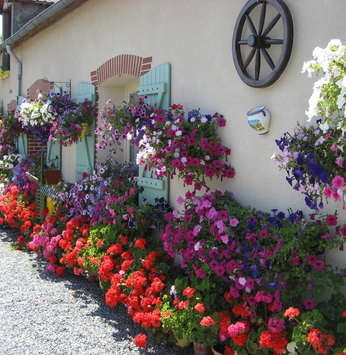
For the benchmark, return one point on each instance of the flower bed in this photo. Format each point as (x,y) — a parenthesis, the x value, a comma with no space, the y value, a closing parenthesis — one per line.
(248,279)
(254,282)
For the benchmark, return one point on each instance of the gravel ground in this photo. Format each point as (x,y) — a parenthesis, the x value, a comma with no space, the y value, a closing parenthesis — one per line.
(41,314)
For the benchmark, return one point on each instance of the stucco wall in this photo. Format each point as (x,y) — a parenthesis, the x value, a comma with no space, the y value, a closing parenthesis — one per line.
(195,37)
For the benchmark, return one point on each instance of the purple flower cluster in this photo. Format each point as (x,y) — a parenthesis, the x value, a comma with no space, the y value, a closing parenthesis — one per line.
(95,196)
(248,249)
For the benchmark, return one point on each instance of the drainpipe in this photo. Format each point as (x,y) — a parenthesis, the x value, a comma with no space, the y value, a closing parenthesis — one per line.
(19,69)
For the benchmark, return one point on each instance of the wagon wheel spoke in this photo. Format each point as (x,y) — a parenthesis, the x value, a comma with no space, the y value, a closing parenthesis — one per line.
(273,41)
(262,18)
(258,64)
(250,24)
(249,58)
(268,58)
(272,23)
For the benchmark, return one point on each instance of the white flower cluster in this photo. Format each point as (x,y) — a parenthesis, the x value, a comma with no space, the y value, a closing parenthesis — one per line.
(332,62)
(10,161)
(36,113)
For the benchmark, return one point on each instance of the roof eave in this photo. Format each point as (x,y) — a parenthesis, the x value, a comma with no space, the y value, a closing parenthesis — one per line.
(43,20)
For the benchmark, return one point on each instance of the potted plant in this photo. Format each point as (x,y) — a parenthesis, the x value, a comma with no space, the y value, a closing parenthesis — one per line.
(123,122)
(72,124)
(169,144)
(36,116)
(313,155)
(267,261)
(191,308)
(187,147)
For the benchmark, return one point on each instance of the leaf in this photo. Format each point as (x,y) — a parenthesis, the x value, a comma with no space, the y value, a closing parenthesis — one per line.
(251,347)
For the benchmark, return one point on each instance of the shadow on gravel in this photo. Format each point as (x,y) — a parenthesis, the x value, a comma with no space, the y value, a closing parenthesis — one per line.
(86,293)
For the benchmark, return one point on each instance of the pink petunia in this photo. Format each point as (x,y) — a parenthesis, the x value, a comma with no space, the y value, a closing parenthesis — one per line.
(340,161)
(331,220)
(309,304)
(328,191)
(338,182)
(336,195)
(318,264)
(180,200)
(221,122)
(233,222)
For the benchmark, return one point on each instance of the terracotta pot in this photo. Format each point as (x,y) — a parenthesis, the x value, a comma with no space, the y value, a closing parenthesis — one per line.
(92,278)
(201,349)
(52,176)
(218,349)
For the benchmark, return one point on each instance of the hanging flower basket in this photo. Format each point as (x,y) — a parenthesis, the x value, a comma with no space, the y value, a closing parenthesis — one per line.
(72,125)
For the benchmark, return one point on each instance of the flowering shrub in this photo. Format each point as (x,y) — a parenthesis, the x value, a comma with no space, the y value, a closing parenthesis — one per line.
(138,271)
(110,183)
(9,161)
(18,210)
(55,117)
(313,156)
(122,122)
(169,144)
(10,129)
(190,308)
(269,262)
(68,127)
(190,148)
(36,116)
(30,163)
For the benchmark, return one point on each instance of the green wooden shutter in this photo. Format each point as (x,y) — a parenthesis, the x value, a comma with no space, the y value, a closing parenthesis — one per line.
(22,144)
(85,153)
(54,148)
(156,84)
(53,155)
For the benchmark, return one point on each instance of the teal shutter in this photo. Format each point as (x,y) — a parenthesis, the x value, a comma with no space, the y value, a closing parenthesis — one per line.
(54,148)
(156,84)
(85,153)
(22,144)
(53,155)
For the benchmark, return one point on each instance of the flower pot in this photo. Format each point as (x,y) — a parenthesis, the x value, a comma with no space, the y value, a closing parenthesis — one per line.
(202,349)
(92,278)
(85,127)
(259,119)
(183,342)
(52,177)
(50,205)
(218,349)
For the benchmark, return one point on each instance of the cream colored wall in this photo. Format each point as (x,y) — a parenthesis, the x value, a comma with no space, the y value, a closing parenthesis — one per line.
(195,37)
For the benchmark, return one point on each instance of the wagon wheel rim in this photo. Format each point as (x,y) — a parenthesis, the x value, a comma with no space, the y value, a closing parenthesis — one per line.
(259,41)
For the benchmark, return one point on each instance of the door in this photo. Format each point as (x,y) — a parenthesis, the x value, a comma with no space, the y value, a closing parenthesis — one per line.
(85,151)
(156,85)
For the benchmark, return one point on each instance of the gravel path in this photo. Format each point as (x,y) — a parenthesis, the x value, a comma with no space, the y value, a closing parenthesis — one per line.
(41,314)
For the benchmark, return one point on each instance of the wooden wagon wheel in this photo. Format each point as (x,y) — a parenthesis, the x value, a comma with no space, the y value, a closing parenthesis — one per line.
(257,45)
